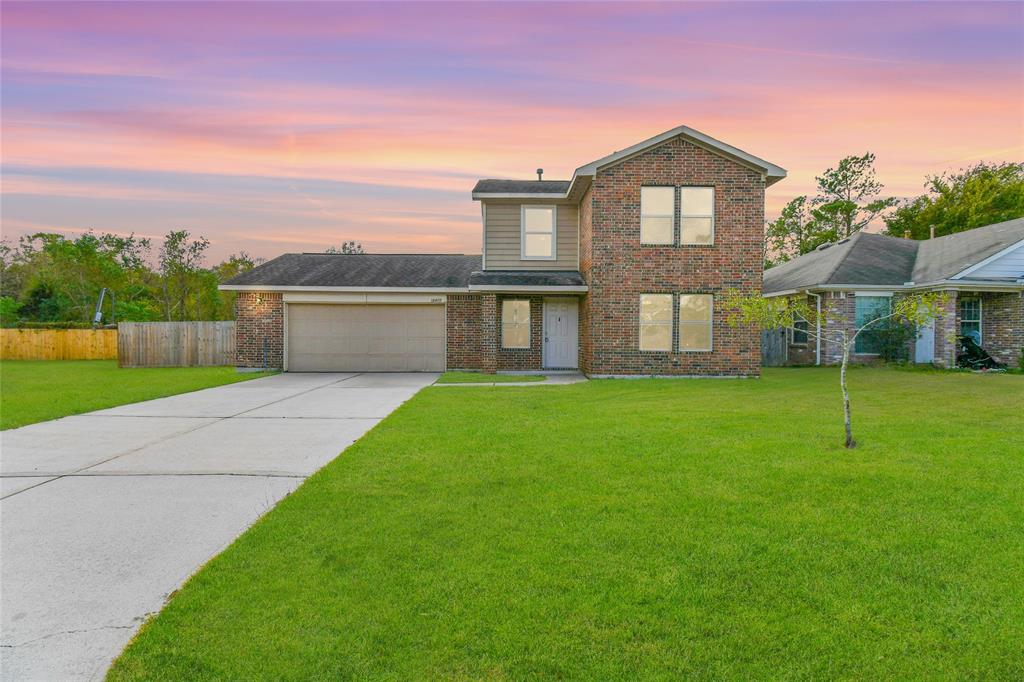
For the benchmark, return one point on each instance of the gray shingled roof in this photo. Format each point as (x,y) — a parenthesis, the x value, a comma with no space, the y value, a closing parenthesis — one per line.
(560,278)
(362,270)
(943,257)
(521,187)
(868,258)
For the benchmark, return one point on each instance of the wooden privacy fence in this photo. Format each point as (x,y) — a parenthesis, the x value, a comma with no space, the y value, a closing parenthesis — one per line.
(175,344)
(58,344)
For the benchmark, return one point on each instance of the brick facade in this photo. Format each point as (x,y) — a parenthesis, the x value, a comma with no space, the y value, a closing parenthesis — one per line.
(1002,326)
(1002,329)
(618,269)
(259,330)
(463,331)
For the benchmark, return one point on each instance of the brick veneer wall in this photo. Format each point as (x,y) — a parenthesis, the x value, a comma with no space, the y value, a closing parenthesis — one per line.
(522,359)
(463,331)
(1002,325)
(256,321)
(619,269)
(946,327)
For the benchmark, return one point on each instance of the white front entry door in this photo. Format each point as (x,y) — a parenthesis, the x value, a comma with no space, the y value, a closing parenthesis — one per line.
(924,349)
(561,333)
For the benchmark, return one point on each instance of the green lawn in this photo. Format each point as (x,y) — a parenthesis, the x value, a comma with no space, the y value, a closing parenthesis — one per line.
(37,390)
(478,378)
(621,530)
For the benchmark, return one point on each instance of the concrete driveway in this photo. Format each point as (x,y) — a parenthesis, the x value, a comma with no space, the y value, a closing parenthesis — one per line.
(105,514)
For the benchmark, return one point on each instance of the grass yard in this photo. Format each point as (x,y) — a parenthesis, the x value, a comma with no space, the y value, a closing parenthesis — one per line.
(37,390)
(621,530)
(479,378)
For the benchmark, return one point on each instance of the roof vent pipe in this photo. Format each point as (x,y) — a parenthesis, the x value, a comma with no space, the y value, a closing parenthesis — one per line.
(540,174)
(931,232)
(906,234)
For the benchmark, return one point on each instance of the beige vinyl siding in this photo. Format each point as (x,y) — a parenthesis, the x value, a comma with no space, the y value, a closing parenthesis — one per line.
(502,235)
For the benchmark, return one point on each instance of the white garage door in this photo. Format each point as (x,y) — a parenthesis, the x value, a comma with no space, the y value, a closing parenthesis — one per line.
(365,338)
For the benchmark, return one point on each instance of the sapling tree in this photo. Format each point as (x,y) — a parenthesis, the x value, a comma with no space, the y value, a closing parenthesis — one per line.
(829,325)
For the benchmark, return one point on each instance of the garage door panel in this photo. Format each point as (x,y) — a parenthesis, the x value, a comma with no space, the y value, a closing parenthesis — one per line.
(368,338)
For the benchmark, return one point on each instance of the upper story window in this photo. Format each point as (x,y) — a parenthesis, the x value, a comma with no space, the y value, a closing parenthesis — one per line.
(657,215)
(697,215)
(538,233)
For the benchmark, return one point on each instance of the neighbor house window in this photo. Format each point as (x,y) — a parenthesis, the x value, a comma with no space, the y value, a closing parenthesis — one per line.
(515,324)
(970,318)
(867,308)
(655,321)
(799,332)
(657,215)
(697,215)
(538,233)
(695,313)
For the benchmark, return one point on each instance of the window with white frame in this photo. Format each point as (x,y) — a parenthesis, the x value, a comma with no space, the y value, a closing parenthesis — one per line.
(657,215)
(695,316)
(866,309)
(656,322)
(697,215)
(515,324)
(538,233)
(970,318)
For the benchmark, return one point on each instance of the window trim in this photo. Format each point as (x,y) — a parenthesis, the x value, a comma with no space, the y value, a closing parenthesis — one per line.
(671,216)
(710,323)
(981,314)
(528,323)
(641,323)
(523,232)
(714,206)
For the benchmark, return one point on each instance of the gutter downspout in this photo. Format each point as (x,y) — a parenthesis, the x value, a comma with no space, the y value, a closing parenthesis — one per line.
(817,328)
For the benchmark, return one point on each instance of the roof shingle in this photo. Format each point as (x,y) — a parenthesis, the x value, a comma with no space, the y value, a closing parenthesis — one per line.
(362,270)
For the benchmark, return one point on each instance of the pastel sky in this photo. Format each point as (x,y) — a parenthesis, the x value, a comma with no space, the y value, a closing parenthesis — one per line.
(292,127)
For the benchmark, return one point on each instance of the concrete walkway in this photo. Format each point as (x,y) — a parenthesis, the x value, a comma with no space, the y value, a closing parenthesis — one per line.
(105,514)
(562,379)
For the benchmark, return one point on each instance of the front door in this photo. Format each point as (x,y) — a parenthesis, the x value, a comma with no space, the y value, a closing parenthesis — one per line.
(561,333)
(924,349)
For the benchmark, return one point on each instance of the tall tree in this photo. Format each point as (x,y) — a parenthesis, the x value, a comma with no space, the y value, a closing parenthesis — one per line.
(181,272)
(848,198)
(792,234)
(953,202)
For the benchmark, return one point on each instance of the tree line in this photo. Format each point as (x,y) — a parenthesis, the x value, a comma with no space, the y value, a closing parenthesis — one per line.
(849,198)
(52,279)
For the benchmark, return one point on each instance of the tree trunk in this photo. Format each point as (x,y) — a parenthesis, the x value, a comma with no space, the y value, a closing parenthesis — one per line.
(846,396)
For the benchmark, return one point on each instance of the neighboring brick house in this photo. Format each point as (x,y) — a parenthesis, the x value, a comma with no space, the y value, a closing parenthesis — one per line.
(616,272)
(981,271)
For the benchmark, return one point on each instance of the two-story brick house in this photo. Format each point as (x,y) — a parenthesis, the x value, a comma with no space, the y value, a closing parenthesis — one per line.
(617,271)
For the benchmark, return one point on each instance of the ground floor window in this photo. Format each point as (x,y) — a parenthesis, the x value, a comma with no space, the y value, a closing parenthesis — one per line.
(515,324)
(656,322)
(799,332)
(970,318)
(868,308)
(695,313)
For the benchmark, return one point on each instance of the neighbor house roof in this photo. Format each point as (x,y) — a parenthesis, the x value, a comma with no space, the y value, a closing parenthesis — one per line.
(867,259)
(945,257)
(305,270)
(573,188)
